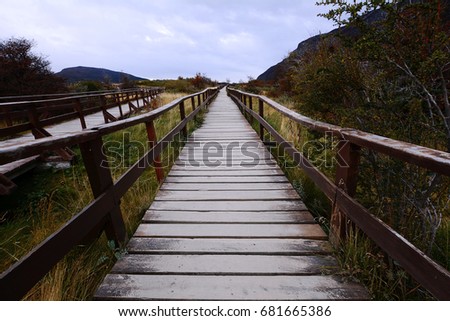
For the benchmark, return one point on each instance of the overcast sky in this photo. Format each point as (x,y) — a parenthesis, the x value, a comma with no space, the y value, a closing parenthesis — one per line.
(224,39)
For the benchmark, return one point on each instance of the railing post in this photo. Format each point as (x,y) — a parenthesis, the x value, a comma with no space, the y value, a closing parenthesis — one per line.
(199,100)
(120,109)
(261,113)
(152,141)
(250,105)
(79,109)
(348,157)
(244,111)
(103,107)
(128,102)
(183,116)
(101,180)
(34,121)
(193,107)
(136,97)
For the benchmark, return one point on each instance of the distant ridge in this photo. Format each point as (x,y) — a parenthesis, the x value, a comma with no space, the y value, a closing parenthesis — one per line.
(278,71)
(75,74)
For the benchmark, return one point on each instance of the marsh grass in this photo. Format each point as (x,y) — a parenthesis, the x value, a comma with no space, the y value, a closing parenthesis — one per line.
(48,198)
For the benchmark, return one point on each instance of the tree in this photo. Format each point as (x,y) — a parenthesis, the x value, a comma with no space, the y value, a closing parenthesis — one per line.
(405,49)
(198,81)
(411,44)
(23,72)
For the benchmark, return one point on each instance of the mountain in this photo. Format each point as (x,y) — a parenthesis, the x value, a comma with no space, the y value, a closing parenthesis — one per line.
(277,71)
(75,74)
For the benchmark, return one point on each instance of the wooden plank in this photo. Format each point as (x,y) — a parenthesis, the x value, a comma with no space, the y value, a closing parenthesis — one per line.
(225,163)
(217,173)
(275,217)
(228,246)
(226,136)
(224,159)
(203,287)
(224,179)
(310,231)
(226,195)
(19,167)
(224,187)
(211,157)
(219,166)
(258,206)
(216,151)
(208,264)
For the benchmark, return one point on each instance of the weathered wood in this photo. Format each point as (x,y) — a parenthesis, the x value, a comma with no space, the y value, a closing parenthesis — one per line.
(204,287)
(274,217)
(223,214)
(226,179)
(152,141)
(305,231)
(224,163)
(348,156)
(262,206)
(261,113)
(251,186)
(220,166)
(226,195)
(19,278)
(434,160)
(140,245)
(17,168)
(218,173)
(207,264)
(100,180)
(183,116)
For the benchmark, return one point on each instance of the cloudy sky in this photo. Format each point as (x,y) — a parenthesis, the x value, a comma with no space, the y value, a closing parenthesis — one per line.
(224,39)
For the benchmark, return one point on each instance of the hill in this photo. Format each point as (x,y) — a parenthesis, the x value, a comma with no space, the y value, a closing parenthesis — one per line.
(277,71)
(75,74)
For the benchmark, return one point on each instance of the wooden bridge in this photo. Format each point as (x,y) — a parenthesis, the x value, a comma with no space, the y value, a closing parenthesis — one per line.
(33,117)
(226,224)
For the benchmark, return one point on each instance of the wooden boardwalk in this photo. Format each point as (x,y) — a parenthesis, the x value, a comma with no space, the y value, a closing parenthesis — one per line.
(227,225)
(17,168)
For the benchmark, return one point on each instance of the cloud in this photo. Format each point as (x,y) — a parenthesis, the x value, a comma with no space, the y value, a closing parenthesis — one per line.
(159,39)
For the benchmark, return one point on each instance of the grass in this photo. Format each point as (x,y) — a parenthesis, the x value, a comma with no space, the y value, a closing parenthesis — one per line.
(48,198)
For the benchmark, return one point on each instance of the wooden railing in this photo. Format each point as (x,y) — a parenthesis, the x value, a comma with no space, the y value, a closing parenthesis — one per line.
(103,213)
(38,112)
(424,270)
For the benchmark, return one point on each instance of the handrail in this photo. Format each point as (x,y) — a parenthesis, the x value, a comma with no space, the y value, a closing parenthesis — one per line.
(423,269)
(103,213)
(34,115)
(435,160)
(69,96)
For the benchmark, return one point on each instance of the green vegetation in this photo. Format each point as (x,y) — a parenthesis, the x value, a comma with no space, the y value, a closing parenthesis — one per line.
(32,214)
(188,85)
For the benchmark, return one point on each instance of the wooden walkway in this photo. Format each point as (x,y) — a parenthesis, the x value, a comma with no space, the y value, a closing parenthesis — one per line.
(227,225)
(17,168)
